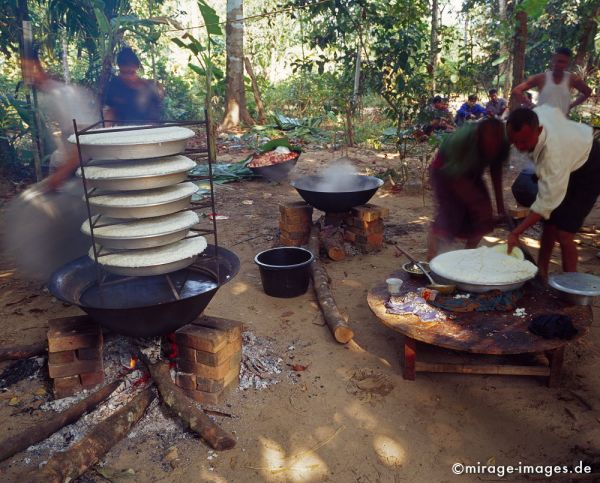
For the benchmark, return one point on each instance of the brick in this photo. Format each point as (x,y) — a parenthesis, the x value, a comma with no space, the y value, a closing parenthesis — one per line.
(91,379)
(74,368)
(209,372)
(89,354)
(295,227)
(187,353)
(216,385)
(291,243)
(293,209)
(296,219)
(186,381)
(233,328)
(370,212)
(201,338)
(294,235)
(364,225)
(217,358)
(66,386)
(62,357)
(72,333)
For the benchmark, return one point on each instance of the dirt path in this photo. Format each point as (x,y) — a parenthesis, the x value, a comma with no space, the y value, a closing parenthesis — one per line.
(350,416)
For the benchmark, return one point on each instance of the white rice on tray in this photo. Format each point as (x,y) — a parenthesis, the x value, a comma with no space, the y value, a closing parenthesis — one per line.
(160,225)
(150,257)
(482,266)
(139,168)
(155,135)
(145,197)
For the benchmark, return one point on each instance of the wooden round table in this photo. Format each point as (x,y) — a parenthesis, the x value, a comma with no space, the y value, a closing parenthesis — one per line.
(491,333)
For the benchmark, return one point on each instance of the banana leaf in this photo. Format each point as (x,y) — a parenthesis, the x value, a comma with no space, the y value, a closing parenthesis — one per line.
(225,173)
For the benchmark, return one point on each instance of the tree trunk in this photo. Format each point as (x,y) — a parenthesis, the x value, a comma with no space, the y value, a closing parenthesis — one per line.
(433,53)
(520,42)
(235,95)
(588,32)
(505,68)
(65,58)
(259,104)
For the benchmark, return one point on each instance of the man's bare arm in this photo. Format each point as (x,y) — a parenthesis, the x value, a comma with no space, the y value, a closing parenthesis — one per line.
(519,91)
(584,91)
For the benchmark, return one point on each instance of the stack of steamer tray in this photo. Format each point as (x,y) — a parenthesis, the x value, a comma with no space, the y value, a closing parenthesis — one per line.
(135,182)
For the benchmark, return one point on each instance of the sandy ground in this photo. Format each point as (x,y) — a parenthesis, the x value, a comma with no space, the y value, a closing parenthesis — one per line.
(322,424)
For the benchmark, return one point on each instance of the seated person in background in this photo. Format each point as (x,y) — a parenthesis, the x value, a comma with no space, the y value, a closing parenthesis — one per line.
(496,106)
(470,111)
(435,118)
(128,97)
(463,204)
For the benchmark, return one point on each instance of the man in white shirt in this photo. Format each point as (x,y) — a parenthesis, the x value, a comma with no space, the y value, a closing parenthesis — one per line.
(567,163)
(554,86)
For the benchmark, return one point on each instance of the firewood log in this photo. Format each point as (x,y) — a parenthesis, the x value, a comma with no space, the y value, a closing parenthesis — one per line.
(75,461)
(23,351)
(334,246)
(23,440)
(186,409)
(333,318)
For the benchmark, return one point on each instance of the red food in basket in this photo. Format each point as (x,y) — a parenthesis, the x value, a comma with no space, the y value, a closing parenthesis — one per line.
(271,158)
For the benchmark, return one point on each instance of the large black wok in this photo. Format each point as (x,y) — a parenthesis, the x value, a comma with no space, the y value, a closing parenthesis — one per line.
(338,195)
(144,306)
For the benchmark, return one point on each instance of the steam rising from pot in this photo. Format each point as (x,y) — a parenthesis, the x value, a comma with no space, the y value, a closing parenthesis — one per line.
(337,178)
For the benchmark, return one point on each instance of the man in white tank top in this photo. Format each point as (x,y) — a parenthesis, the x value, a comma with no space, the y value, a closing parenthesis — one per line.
(554,86)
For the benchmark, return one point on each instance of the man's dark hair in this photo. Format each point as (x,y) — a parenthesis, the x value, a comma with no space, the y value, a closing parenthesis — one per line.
(493,91)
(436,100)
(127,57)
(472,97)
(521,117)
(564,51)
(491,128)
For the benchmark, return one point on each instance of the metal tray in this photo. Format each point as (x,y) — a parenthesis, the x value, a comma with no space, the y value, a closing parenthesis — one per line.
(136,183)
(479,288)
(149,271)
(129,148)
(576,288)
(145,211)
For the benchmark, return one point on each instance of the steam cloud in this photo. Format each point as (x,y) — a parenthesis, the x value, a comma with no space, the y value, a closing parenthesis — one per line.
(339,177)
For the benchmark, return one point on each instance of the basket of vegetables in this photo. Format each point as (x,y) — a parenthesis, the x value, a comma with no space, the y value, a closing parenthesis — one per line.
(274,160)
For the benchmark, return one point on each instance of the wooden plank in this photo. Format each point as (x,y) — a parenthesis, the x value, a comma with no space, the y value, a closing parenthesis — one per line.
(556,358)
(410,358)
(498,369)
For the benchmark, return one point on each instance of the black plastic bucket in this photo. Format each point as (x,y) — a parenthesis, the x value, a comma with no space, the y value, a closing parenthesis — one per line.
(285,271)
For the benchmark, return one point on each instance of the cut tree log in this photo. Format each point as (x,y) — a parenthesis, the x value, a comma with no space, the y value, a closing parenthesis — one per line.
(186,409)
(333,243)
(23,351)
(333,318)
(14,444)
(72,463)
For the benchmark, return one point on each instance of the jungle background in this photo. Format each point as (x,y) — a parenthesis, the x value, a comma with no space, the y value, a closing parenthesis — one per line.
(328,72)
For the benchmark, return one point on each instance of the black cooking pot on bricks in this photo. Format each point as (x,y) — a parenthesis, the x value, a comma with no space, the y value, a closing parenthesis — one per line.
(284,271)
(337,195)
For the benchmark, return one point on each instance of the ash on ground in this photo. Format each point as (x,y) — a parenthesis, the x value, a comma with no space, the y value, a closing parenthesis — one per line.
(117,357)
(260,363)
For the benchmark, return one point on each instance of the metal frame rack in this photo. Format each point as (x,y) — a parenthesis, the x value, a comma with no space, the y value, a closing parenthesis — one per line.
(196,154)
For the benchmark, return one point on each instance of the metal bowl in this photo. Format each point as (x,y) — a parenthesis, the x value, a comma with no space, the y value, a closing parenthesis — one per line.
(414,271)
(479,288)
(576,288)
(357,191)
(276,172)
(144,306)
(126,144)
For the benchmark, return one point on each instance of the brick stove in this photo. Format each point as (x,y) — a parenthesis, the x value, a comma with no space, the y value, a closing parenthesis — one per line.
(362,226)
